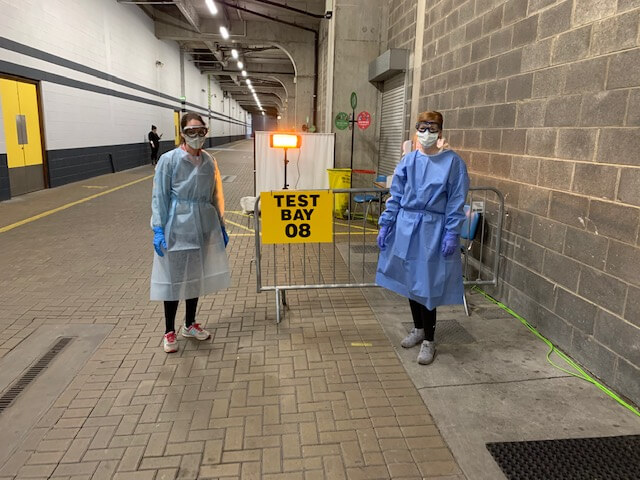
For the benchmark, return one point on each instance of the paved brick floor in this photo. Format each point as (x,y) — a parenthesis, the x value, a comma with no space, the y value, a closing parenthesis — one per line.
(294,401)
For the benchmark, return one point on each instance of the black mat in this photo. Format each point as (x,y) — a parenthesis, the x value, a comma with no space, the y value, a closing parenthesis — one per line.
(600,458)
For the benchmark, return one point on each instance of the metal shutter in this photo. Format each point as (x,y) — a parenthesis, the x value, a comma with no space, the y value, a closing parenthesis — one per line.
(391,125)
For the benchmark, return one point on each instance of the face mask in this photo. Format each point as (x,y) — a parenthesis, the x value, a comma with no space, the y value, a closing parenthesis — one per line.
(196,143)
(427,138)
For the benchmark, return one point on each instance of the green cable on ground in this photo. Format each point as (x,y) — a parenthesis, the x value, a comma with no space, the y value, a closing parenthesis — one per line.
(552,349)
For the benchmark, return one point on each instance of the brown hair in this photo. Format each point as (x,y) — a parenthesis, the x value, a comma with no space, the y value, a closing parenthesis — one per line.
(186,118)
(431,117)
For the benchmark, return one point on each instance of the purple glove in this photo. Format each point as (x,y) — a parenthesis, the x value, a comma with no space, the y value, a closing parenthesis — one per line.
(450,243)
(382,235)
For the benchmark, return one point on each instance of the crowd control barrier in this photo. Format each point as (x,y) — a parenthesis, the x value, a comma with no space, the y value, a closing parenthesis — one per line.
(300,244)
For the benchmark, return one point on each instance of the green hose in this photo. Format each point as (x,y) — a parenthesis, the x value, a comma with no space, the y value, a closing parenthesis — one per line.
(552,349)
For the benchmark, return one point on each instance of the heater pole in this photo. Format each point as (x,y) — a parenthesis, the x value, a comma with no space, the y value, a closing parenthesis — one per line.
(286,187)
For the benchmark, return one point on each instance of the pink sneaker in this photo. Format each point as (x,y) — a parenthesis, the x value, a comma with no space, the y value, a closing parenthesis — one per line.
(170,342)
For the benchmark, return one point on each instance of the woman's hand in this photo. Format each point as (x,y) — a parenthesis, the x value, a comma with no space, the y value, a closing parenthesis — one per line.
(382,235)
(158,240)
(450,243)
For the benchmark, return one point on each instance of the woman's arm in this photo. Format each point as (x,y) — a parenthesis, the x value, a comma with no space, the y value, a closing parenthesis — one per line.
(161,196)
(457,189)
(217,195)
(398,182)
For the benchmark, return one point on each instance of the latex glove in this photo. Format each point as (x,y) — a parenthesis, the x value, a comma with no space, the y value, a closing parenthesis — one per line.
(225,236)
(450,243)
(158,240)
(382,235)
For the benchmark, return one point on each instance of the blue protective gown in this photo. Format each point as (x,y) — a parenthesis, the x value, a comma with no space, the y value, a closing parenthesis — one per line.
(427,196)
(188,203)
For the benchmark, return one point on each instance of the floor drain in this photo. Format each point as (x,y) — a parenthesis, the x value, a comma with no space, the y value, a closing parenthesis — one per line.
(29,376)
(228,178)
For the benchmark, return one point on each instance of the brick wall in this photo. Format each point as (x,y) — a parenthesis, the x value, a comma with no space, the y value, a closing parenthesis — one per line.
(541,98)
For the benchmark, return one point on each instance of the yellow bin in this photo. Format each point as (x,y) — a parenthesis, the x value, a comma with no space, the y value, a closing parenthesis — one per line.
(340,178)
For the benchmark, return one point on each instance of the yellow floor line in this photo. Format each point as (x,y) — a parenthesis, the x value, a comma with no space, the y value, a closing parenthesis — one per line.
(226,220)
(69,205)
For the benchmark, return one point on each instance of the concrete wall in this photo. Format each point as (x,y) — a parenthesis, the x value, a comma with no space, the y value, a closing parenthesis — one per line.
(541,98)
(357,42)
(101,88)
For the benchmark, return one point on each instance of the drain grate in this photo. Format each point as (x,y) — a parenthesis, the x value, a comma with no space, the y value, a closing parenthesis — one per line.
(449,332)
(29,376)
(228,178)
(602,458)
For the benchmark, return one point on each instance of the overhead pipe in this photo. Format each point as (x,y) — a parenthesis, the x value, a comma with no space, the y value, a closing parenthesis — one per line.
(294,25)
(326,15)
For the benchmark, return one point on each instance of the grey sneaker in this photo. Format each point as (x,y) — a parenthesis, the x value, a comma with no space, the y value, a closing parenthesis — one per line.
(415,336)
(427,352)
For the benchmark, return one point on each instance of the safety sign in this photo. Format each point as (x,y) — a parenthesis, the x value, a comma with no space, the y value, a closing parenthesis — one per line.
(342,121)
(303,216)
(364,120)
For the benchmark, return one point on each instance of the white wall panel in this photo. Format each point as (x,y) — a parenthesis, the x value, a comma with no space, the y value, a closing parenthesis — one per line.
(115,39)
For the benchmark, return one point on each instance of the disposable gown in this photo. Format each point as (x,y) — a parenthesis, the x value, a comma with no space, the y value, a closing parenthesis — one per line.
(188,203)
(427,196)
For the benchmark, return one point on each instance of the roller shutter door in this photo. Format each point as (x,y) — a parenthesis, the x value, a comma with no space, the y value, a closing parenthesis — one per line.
(391,125)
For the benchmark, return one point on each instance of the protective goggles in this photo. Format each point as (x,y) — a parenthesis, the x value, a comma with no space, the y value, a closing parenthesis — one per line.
(195,131)
(433,127)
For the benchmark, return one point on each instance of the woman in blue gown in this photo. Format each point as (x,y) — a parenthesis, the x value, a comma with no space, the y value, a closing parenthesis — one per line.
(189,235)
(419,232)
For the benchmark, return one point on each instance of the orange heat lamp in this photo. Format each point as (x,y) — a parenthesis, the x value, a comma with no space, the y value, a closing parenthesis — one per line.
(286,141)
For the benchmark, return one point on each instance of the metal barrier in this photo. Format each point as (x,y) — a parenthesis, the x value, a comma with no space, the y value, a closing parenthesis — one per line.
(350,261)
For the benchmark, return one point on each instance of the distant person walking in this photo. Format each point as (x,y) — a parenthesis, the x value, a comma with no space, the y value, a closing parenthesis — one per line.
(154,141)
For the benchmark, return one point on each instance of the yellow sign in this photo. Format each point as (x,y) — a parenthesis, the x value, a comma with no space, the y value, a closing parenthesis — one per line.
(303,216)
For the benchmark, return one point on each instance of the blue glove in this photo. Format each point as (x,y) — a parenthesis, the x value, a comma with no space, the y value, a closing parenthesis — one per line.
(382,235)
(158,240)
(225,236)
(450,243)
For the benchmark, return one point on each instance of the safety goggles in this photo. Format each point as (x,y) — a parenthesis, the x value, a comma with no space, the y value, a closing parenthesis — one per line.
(195,131)
(433,127)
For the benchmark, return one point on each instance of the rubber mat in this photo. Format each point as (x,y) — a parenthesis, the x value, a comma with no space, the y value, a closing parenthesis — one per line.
(599,458)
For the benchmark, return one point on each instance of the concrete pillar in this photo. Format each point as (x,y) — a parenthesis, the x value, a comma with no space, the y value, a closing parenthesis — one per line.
(357,42)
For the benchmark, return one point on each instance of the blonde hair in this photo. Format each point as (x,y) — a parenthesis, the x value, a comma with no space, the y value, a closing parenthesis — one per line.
(431,116)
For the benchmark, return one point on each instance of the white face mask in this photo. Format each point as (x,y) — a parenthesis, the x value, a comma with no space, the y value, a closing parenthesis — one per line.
(196,143)
(427,138)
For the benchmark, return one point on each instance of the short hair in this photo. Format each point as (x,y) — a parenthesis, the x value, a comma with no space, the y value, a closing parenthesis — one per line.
(432,116)
(153,127)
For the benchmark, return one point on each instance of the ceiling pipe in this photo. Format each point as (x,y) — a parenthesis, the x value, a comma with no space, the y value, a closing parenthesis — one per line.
(295,25)
(326,15)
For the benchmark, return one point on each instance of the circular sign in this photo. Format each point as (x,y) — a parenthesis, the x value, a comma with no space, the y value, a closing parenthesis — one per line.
(342,121)
(312,128)
(364,120)
(354,100)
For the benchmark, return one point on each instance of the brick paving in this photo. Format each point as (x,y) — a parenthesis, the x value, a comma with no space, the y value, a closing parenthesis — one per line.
(258,400)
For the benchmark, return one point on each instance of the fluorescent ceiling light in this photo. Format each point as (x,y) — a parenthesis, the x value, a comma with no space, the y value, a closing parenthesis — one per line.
(224,32)
(244,73)
(240,65)
(212,6)
(263,114)
(234,53)
(248,81)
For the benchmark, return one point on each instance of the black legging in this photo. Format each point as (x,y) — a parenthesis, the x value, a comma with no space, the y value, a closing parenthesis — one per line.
(170,309)
(424,318)
(154,155)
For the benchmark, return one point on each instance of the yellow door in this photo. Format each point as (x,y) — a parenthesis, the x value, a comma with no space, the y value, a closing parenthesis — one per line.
(176,121)
(22,132)
(11,112)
